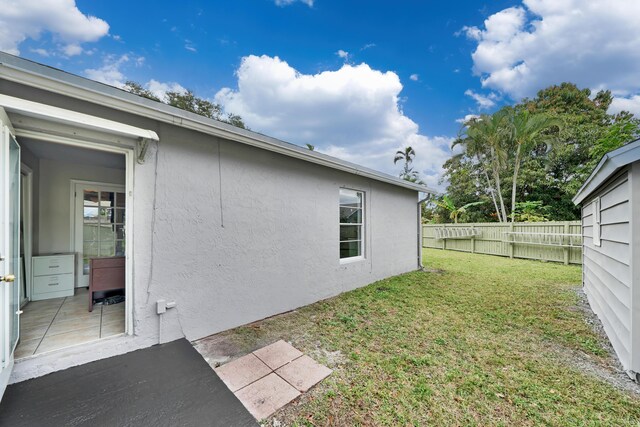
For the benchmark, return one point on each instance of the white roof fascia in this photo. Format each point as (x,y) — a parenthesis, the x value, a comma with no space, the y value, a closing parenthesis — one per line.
(30,73)
(610,163)
(73,118)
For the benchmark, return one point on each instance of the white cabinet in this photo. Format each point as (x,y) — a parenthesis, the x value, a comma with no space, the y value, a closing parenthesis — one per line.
(52,276)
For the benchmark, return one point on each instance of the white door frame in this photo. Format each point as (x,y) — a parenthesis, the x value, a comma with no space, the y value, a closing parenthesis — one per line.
(75,245)
(27,215)
(130,156)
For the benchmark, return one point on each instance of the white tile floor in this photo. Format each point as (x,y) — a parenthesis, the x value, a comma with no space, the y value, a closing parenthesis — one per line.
(61,322)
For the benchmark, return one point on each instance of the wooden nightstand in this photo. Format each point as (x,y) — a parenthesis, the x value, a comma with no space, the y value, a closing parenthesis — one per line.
(105,274)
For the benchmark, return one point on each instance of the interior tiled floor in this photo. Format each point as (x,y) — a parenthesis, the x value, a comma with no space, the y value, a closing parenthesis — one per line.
(269,378)
(61,322)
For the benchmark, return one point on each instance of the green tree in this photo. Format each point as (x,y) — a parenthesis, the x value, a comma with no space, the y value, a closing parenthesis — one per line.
(408,174)
(585,120)
(311,147)
(468,182)
(528,132)
(586,131)
(447,204)
(188,101)
(624,129)
(406,156)
(138,89)
(489,136)
(531,211)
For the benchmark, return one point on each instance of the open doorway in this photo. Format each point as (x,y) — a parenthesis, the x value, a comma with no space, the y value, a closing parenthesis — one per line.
(73,246)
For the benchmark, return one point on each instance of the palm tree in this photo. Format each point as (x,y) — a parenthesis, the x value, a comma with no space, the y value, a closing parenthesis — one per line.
(489,135)
(528,131)
(447,203)
(480,156)
(407,156)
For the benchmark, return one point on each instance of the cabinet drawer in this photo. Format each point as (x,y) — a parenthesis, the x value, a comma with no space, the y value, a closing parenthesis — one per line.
(53,283)
(45,266)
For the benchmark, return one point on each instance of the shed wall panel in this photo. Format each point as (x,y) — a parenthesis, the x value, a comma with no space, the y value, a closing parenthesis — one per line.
(606,268)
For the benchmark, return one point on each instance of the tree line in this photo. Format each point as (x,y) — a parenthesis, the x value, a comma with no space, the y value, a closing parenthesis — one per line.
(526,161)
(188,101)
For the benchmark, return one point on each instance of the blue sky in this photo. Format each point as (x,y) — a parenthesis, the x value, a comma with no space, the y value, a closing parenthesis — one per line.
(357,79)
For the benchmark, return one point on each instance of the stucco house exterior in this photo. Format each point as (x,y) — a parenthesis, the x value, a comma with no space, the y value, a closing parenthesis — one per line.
(215,226)
(610,200)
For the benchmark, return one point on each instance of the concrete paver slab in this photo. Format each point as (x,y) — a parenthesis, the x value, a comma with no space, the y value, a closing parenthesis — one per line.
(303,373)
(242,372)
(278,354)
(265,396)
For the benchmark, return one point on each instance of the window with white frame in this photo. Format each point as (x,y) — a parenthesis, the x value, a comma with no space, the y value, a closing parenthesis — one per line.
(596,221)
(351,223)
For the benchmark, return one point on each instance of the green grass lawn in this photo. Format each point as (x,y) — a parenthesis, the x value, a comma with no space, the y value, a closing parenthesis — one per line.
(484,341)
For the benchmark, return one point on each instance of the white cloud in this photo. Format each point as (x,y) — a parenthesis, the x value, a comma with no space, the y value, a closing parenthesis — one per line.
(352,113)
(483,101)
(22,19)
(160,89)
(630,104)
(343,54)
(72,49)
(283,3)
(414,77)
(473,33)
(41,52)
(595,44)
(466,118)
(110,73)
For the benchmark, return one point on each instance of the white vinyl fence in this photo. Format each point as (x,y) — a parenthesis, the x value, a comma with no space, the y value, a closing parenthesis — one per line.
(548,241)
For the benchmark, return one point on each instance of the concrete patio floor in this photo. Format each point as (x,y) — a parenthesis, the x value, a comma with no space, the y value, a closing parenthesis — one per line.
(164,385)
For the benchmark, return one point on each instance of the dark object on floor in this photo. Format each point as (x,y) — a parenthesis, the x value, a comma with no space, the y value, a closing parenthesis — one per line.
(164,385)
(109,300)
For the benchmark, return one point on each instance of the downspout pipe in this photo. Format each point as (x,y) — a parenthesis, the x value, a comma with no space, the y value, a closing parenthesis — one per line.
(420,202)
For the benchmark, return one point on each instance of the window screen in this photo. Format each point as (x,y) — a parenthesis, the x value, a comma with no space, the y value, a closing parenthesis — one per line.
(351,223)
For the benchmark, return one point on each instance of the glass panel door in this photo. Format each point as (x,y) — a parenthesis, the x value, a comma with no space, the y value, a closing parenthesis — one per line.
(9,248)
(102,225)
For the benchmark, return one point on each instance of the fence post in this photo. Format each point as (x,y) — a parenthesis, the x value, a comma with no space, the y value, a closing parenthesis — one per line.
(565,240)
(511,240)
(444,239)
(473,244)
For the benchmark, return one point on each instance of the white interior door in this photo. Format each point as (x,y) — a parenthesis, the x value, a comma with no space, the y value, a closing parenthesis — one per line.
(9,248)
(99,224)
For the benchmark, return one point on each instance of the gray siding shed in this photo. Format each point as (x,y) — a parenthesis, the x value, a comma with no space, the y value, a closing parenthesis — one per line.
(610,218)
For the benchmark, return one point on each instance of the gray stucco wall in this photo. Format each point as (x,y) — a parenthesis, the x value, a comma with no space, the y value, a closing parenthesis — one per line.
(246,233)
(234,234)
(607,268)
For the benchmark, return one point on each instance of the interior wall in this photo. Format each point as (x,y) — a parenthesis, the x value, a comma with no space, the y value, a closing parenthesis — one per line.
(30,160)
(54,218)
